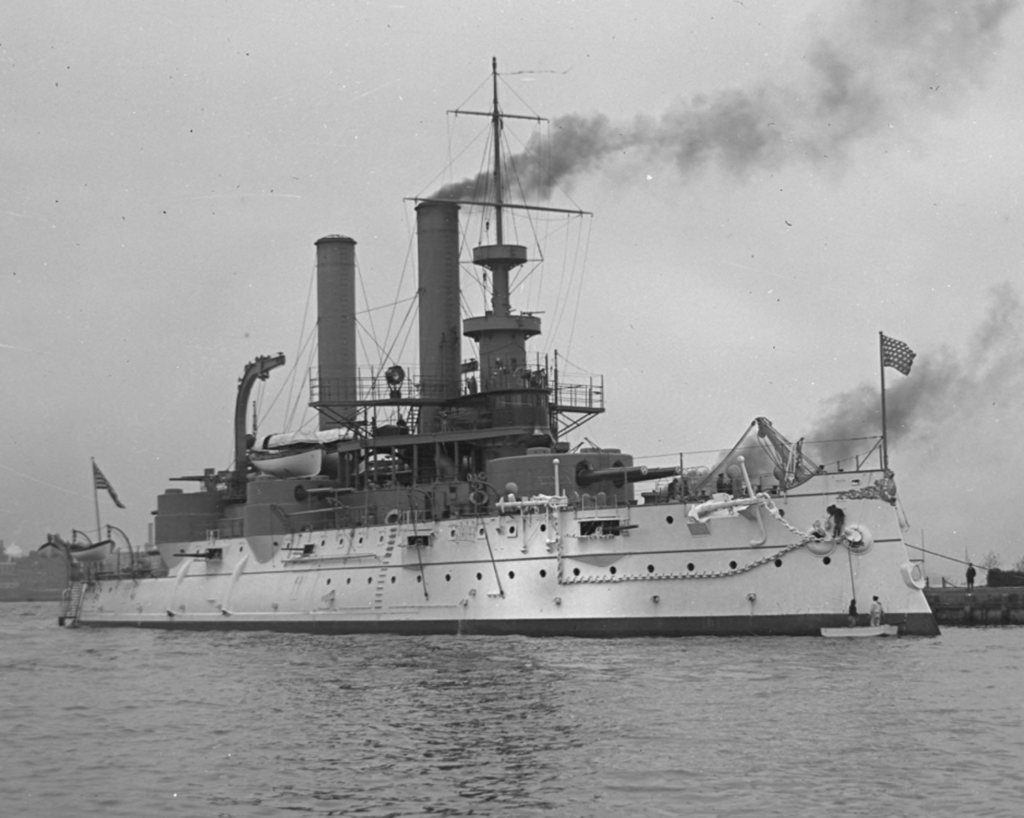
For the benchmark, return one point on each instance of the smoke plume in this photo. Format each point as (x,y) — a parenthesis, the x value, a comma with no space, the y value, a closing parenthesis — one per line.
(881,65)
(979,392)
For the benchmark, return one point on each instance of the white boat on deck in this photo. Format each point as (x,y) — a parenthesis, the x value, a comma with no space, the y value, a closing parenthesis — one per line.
(293,460)
(94,552)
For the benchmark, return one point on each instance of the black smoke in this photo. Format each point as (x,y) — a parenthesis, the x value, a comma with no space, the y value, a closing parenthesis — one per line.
(971,394)
(876,69)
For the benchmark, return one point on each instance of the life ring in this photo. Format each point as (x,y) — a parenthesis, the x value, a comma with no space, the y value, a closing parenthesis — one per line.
(478,498)
(913,575)
(858,538)
(392,517)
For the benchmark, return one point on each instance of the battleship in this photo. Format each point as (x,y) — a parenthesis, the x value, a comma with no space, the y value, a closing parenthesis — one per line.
(444,496)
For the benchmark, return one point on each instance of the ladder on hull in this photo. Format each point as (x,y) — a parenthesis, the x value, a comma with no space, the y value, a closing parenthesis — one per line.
(71,604)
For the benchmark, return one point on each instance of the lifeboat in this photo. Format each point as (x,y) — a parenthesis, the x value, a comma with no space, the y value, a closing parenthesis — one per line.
(293,460)
(96,552)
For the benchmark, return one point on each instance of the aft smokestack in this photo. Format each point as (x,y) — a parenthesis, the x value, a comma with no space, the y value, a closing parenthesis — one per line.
(437,228)
(336,329)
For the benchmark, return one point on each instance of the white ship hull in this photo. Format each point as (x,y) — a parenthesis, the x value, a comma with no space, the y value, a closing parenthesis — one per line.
(532,572)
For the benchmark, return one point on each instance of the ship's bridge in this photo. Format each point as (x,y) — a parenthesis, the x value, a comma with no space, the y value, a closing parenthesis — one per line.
(569,402)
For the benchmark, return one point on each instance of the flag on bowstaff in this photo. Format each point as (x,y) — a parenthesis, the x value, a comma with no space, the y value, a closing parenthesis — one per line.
(897,355)
(100,483)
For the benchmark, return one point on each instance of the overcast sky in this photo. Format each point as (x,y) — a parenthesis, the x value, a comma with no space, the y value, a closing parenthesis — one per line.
(772,185)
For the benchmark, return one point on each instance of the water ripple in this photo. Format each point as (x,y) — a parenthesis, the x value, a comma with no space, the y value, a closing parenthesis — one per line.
(249,724)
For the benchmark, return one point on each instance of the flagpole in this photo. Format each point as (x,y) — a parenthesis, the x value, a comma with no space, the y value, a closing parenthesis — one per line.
(96,501)
(881,370)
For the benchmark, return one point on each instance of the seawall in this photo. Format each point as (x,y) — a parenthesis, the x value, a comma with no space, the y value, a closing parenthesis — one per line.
(978,606)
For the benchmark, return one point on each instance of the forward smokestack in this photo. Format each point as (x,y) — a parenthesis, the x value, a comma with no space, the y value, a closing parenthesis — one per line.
(437,228)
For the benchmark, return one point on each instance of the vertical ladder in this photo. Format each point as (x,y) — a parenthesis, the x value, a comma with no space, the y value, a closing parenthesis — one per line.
(71,604)
(378,592)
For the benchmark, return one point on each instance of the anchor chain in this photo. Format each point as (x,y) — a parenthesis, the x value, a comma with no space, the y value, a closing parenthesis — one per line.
(763,499)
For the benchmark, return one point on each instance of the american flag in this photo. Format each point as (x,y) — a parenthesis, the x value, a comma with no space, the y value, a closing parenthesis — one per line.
(101,483)
(897,355)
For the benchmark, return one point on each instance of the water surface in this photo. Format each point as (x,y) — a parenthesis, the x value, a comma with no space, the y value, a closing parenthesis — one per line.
(138,723)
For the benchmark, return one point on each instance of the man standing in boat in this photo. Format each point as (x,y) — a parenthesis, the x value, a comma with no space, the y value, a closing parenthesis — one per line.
(971,573)
(876,612)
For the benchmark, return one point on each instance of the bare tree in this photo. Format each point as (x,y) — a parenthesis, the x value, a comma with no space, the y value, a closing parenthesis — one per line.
(990,560)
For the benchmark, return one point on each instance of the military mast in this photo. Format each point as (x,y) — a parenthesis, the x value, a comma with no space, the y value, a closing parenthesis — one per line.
(500,335)
(511,393)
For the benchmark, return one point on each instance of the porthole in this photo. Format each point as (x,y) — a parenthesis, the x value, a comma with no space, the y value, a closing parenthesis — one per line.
(690,567)
(511,530)
(348,580)
(369,580)
(611,570)
(511,574)
(732,565)
(447,577)
(543,526)
(543,573)
(778,563)
(650,569)
(419,578)
(451,533)
(328,581)
(670,519)
(392,580)
(827,560)
(575,572)
(360,540)
(479,576)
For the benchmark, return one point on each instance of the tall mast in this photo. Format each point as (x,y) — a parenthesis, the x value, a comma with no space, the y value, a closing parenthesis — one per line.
(496,125)
(499,258)
(501,335)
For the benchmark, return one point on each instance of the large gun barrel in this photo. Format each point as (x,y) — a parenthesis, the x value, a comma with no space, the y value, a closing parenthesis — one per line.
(625,474)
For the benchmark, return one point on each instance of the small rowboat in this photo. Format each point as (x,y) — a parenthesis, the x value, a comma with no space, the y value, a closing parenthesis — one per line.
(857,632)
